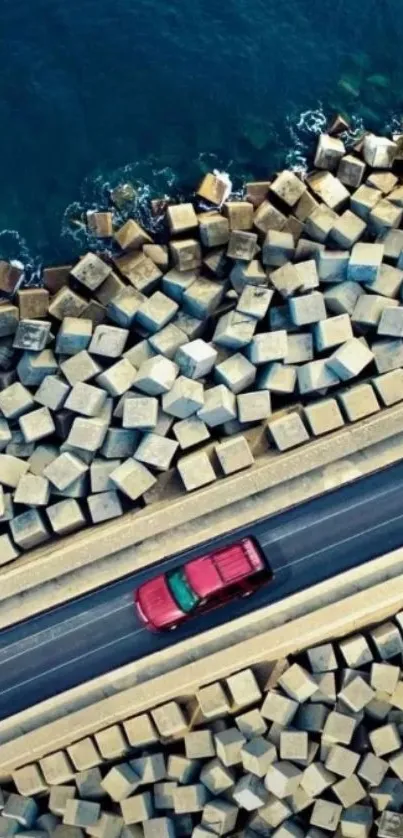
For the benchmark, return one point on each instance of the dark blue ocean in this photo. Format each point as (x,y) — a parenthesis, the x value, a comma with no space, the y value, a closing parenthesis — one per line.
(159,91)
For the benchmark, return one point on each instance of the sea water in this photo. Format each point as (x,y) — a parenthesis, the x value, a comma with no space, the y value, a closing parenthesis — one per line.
(160,91)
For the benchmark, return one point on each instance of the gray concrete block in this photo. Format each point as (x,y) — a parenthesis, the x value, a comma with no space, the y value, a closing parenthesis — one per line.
(65,516)
(37,424)
(288,187)
(249,793)
(28,529)
(358,402)
(299,348)
(349,791)
(257,755)
(294,745)
(191,431)
(91,271)
(384,216)
(387,640)
(287,431)
(355,650)
(322,658)
(234,454)
(267,346)
(8,551)
(307,309)
(286,280)
(108,341)
(385,739)
(278,708)
(64,470)
(339,728)
(11,470)
(278,248)
(185,398)
(132,478)
(32,490)
(140,412)
(156,311)
(190,798)
(220,816)
(159,828)
(283,778)
(347,230)
(349,359)
(234,330)
(80,367)
(342,761)
(33,367)
(255,301)
(326,815)
(219,406)
(81,813)
(156,451)
(156,376)
(315,376)
(356,694)
(32,335)
(332,331)
(372,769)
(196,359)
(73,336)
(255,406)
(104,506)
(23,810)
(137,808)
(58,798)
(388,354)
(323,416)
(329,152)
(88,434)
(236,373)
(120,782)
(52,392)
(277,377)
(391,322)
(308,273)
(332,265)
(85,399)
(351,171)
(365,262)
(343,298)
(118,378)
(150,767)
(387,283)
(203,296)
(319,224)
(196,470)
(217,777)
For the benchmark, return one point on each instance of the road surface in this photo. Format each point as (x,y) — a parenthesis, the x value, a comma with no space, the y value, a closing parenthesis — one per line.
(100,631)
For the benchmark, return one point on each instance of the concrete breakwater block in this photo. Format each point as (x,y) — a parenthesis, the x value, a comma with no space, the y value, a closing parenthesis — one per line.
(274,312)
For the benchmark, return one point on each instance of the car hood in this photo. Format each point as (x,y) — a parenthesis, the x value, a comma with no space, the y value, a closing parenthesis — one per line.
(157,604)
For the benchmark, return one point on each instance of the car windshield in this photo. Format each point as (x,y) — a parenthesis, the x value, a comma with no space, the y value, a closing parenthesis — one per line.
(181,591)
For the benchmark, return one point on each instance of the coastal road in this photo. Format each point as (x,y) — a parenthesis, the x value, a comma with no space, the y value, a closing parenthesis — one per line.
(100,631)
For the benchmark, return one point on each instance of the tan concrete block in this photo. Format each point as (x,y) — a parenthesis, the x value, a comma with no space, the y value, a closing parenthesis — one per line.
(37,424)
(91,271)
(28,529)
(140,731)
(137,808)
(65,516)
(66,303)
(170,720)
(131,236)
(33,303)
(29,780)
(58,798)
(57,768)
(213,701)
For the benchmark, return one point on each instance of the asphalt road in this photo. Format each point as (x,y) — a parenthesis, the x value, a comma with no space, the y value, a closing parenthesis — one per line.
(99,632)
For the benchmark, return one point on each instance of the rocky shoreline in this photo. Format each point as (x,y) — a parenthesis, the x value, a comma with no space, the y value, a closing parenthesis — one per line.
(235,325)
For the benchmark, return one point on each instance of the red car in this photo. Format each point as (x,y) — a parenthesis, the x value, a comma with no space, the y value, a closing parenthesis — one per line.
(202,584)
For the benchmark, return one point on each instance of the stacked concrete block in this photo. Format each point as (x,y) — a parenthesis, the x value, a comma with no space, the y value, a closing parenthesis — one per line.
(263,298)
